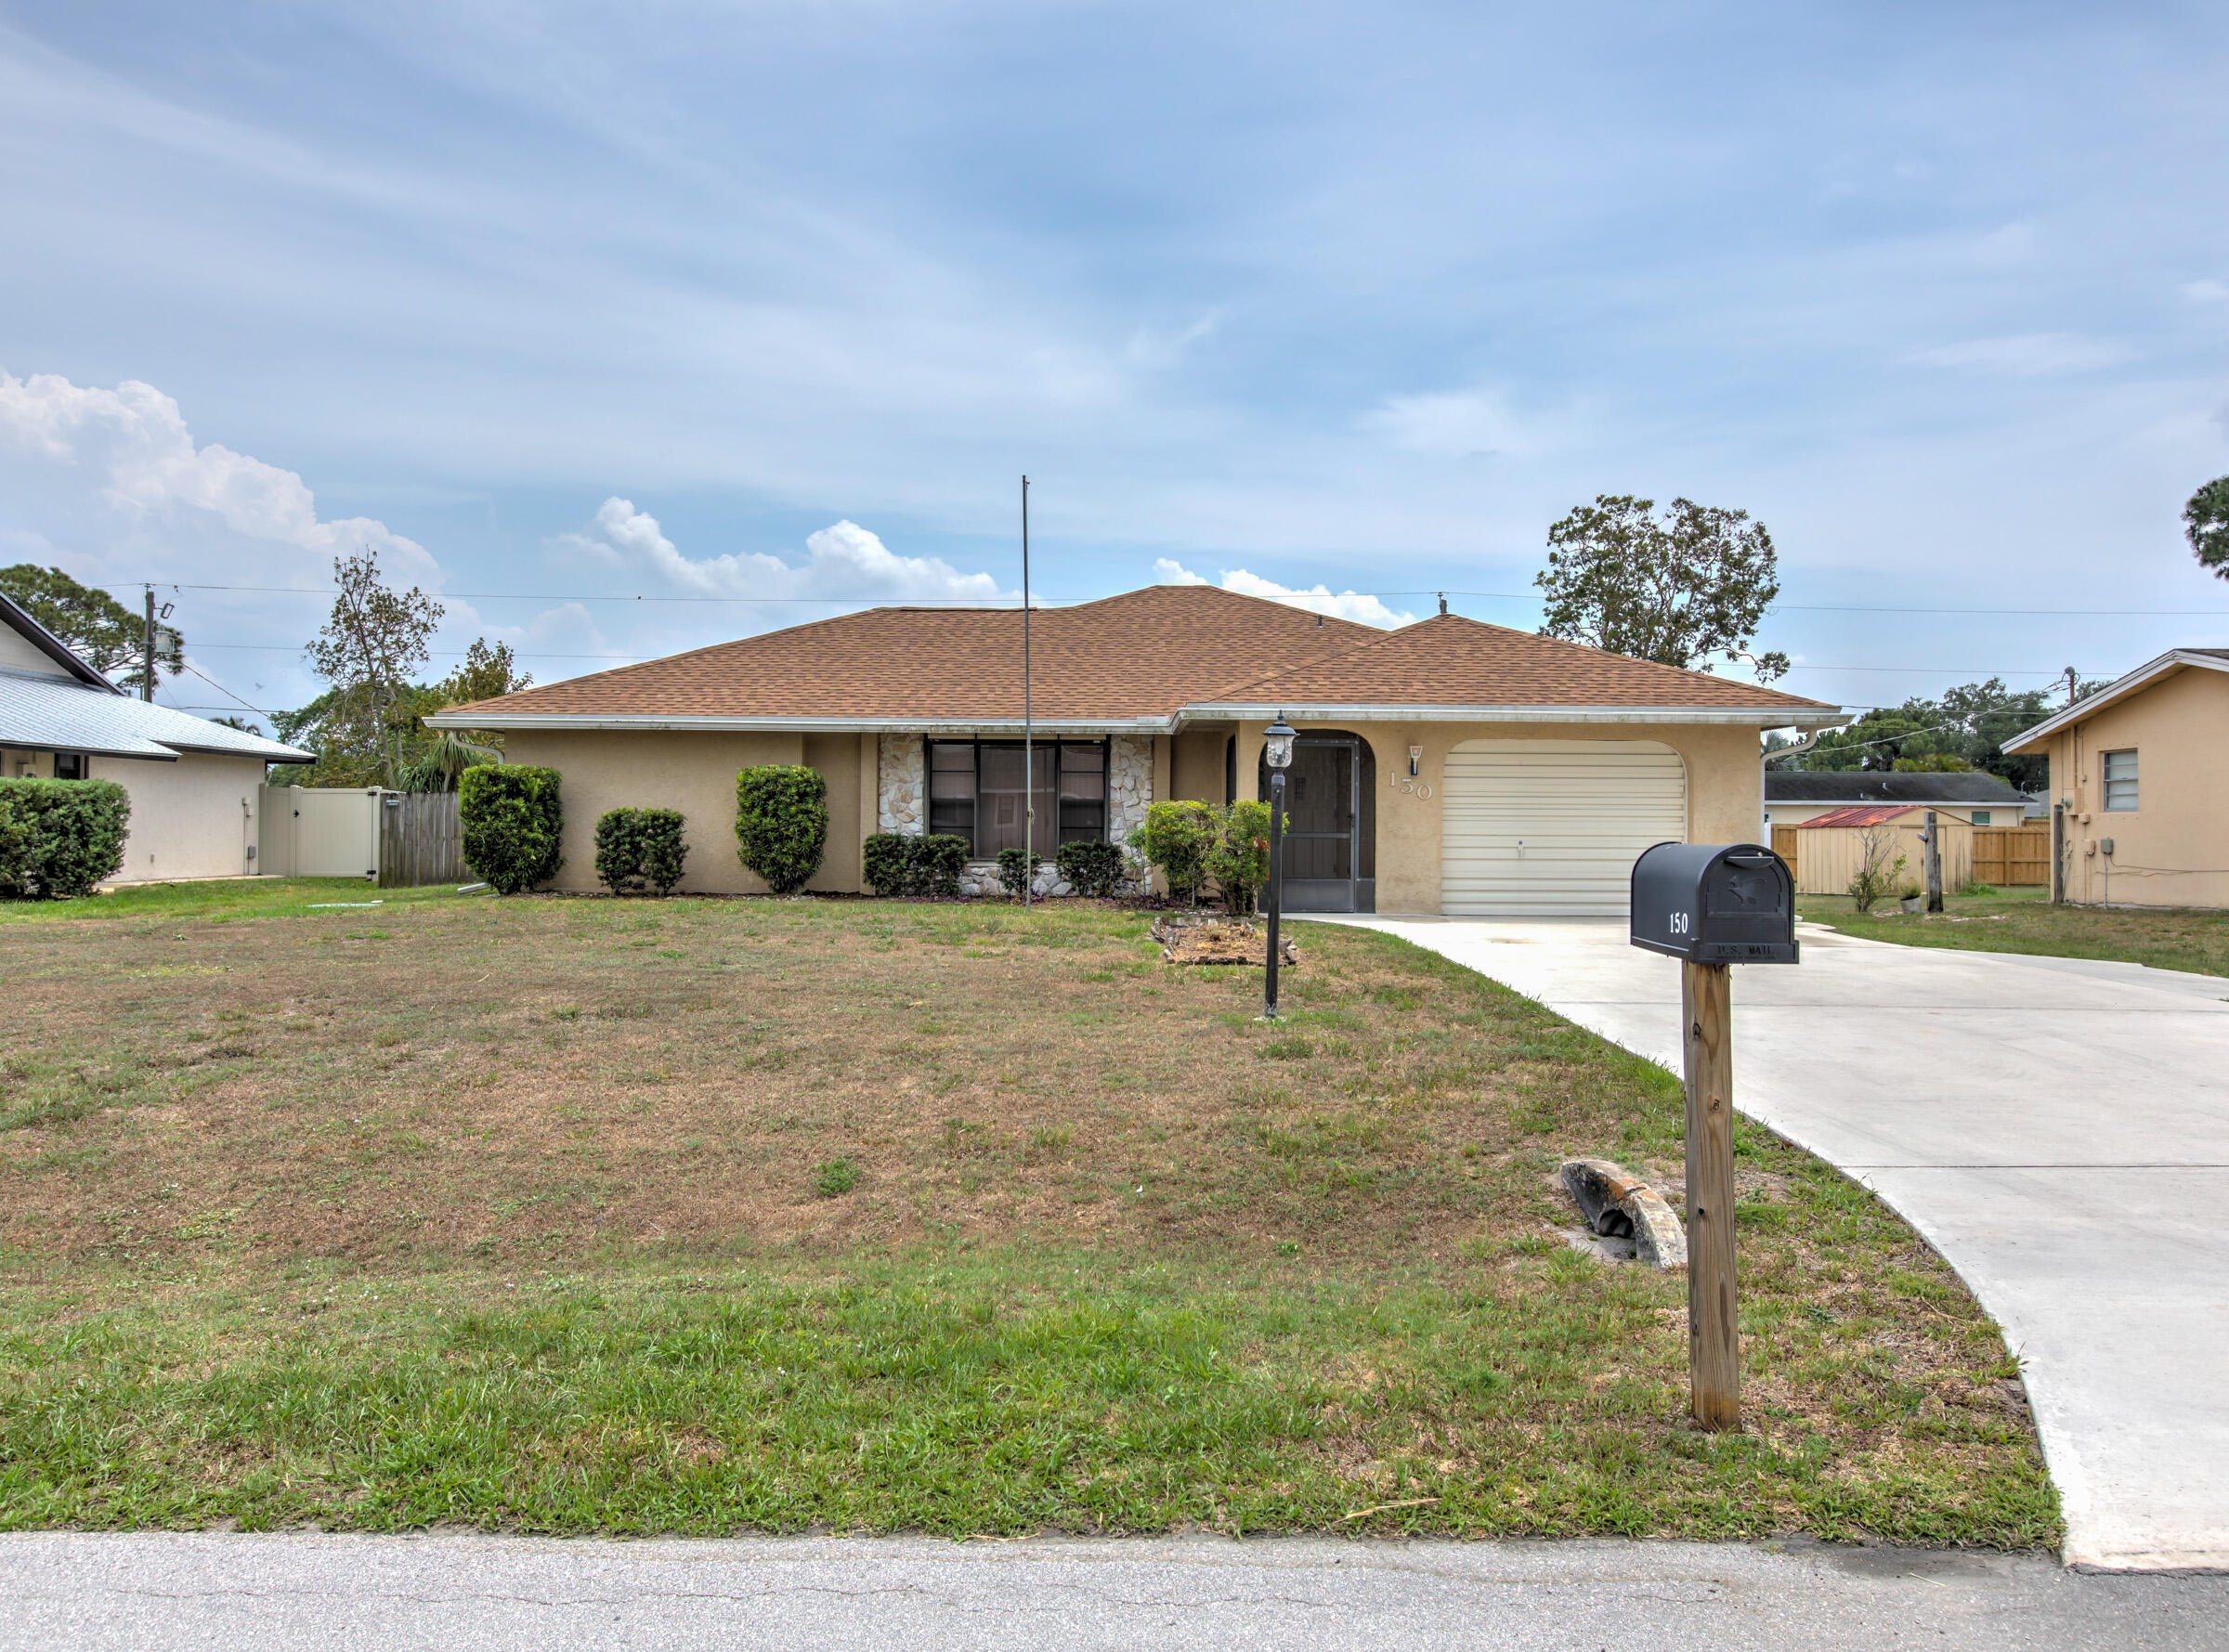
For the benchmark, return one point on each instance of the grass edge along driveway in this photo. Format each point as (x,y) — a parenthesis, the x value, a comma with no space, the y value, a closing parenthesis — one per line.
(2189,938)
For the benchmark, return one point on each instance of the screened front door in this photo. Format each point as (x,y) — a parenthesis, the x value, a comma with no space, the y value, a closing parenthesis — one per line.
(1327,860)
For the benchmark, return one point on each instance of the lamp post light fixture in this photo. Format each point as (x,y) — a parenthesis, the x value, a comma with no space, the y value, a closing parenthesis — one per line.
(1277,751)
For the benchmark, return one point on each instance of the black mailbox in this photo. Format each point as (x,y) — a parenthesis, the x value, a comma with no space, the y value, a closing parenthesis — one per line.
(1714,904)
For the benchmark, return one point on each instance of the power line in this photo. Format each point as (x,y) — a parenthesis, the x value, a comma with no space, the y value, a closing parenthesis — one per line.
(973,602)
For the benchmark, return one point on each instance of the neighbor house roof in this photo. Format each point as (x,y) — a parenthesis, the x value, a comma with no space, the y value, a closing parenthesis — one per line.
(42,713)
(85,712)
(2167,665)
(1859,814)
(1867,786)
(1146,659)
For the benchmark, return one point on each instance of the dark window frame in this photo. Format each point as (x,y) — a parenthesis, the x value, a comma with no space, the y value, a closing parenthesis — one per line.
(945,817)
(80,760)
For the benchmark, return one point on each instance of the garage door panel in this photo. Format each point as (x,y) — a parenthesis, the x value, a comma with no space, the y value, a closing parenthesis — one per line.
(1552,828)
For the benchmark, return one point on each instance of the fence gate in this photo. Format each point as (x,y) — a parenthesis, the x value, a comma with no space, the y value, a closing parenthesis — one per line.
(2012,854)
(420,841)
(1784,845)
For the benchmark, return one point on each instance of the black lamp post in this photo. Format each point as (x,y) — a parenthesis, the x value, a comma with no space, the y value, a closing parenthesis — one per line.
(1277,751)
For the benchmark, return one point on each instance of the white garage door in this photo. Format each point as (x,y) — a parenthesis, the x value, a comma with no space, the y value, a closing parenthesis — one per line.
(1550,828)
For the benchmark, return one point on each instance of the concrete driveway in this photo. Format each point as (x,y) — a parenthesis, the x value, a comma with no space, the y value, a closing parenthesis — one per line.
(2057,1128)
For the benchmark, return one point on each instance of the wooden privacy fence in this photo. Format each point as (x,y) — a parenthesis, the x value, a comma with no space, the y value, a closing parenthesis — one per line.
(1823,860)
(2012,854)
(420,841)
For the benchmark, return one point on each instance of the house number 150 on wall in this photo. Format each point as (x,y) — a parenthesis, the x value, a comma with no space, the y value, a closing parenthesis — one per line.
(1408,787)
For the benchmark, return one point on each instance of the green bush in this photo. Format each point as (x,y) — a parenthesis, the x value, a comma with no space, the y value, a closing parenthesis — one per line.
(782,823)
(1978,888)
(1240,860)
(1016,870)
(1175,839)
(886,863)
(61,837)
(902,863)
(638,848)
(938,860)
(1090,869)
(513,820)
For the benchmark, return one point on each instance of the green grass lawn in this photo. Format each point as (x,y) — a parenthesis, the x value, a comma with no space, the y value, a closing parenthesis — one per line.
(2025,920)
(704,1217)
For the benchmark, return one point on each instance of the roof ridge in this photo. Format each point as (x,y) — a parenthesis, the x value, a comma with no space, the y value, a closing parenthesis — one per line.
(1366,644)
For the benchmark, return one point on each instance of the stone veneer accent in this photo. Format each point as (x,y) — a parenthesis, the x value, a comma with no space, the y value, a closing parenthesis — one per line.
(902,785)
(902,789)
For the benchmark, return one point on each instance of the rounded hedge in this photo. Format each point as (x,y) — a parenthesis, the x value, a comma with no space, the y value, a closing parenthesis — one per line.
(513,823)
(61,837)
(782,823)
(640,846)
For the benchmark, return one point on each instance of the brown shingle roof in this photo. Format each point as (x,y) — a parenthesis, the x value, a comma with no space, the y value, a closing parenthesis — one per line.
(1142,655)
(1449,660)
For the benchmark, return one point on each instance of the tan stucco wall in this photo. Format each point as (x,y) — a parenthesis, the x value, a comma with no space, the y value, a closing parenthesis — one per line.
(1196,768)
(1724,771)
(694,774)
(194,818)
(2172,850)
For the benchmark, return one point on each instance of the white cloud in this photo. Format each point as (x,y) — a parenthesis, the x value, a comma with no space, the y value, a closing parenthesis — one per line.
(2026,355)
(843,561)
(1357,605)
(126,455)
(1460,424)
(2207,291)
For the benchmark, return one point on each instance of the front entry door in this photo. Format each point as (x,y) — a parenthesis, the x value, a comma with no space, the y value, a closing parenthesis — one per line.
(1322,833)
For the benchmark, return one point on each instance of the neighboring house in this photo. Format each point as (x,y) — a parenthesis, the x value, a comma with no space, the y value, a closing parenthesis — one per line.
(2139,785)
(195,784)
(1447,766)
(1793,797)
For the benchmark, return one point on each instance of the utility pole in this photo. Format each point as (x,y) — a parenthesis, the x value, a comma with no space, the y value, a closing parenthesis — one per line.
(2070,685)
(1932,839)
(1029,755)
(147,687)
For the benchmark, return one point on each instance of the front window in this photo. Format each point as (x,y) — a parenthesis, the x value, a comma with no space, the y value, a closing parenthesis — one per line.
(72,765)
(978,790)
(2120,780)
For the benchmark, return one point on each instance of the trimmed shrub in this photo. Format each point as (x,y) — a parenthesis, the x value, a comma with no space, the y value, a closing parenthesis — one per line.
(1090,868)
(782,823)
(1239,861)
(1175,839)
(886,863)
(1016,869)
(513,822)
(61,837)
(638,848)
(938,861)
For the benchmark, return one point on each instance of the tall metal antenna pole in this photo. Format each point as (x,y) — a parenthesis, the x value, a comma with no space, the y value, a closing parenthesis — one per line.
(1029,755)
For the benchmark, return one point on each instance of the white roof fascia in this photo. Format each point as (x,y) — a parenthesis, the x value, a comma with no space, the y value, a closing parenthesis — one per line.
(529,722)
(1735,716)
(2118,689)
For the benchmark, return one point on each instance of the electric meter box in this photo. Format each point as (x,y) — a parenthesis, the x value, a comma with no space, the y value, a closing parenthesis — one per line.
(1714,904)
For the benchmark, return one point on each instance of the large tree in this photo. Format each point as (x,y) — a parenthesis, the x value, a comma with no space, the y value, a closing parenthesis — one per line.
(100,630)
(372,640)
(1685,589)
(2205,525)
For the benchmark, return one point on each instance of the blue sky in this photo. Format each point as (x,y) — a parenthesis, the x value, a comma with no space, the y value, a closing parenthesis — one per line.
(736,301)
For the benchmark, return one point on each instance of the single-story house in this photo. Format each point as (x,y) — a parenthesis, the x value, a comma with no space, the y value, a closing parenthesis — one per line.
(2139,785)
(195,785)
(1446,766)
(1796,796)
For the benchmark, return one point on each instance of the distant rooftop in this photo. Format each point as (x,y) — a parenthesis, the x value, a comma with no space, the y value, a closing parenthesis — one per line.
(1859,785)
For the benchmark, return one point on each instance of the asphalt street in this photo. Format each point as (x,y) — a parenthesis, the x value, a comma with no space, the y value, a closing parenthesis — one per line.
(175,1592)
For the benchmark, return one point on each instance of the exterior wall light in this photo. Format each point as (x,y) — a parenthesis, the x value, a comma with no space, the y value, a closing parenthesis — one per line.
(1416,760)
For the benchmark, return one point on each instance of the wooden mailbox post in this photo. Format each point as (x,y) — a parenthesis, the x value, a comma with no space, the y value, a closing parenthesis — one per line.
(1712,905)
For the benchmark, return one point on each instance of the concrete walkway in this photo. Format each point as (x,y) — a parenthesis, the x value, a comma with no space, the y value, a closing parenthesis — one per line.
(167,1593)
(2058,1130)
